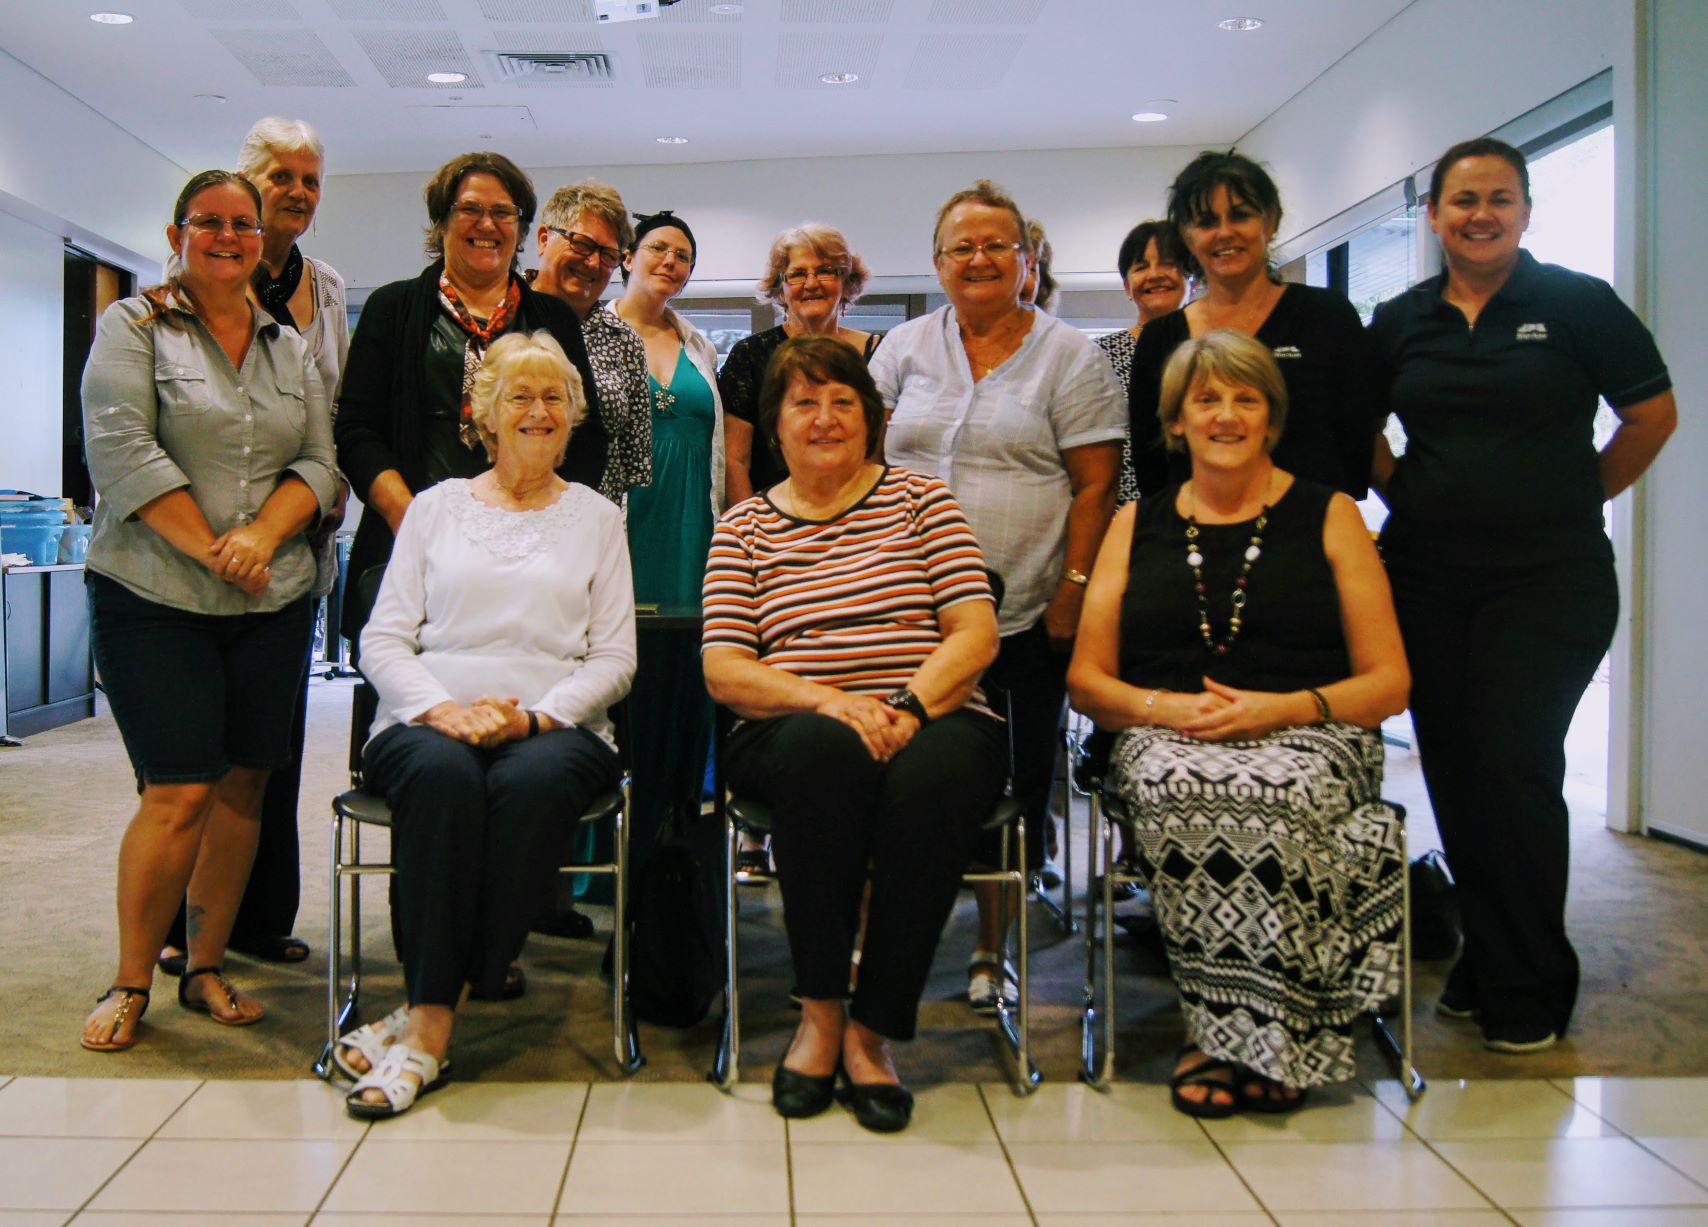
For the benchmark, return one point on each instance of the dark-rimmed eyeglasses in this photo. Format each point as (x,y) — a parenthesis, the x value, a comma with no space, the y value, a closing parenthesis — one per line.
(995,250)
(797,277)
(586,248)
(212,226)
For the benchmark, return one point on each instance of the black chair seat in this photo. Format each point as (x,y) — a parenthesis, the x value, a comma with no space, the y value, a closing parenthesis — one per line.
(603,807)
(362,806)
(752,816)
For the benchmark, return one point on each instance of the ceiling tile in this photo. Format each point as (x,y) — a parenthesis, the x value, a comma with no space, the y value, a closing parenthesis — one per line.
(678,59)
(388,10)
(954,61)
(284,57)
(542,12)
(405,57)
(804,56)
(240,10)
(838,12)
(985,12)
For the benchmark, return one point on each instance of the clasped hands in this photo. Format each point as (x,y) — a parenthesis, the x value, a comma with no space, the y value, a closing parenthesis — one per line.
(883,729)
(488,721)
(1222,713)
(243,558)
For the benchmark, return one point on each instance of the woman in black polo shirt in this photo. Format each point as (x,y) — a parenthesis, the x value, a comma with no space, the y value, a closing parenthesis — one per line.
(1502,572)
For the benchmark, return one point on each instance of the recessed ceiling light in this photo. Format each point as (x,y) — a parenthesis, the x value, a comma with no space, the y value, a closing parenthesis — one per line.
(1149,117)
(1240,23)
(447,78)
(672,140)
(840,78)
(211,100)
(726,10)
(112,19)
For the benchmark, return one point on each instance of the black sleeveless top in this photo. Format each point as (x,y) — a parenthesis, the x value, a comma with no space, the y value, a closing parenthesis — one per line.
(1291,637)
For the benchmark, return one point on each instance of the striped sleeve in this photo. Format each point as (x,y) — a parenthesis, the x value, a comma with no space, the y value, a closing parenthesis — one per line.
(729,597)
(954,564)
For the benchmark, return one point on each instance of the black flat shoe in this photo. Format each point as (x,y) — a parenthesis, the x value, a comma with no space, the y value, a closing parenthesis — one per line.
(798,1096)
(882,1107)
(278,948)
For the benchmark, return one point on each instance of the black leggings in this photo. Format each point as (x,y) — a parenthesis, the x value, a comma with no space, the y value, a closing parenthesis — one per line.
(477,836)
(840,817)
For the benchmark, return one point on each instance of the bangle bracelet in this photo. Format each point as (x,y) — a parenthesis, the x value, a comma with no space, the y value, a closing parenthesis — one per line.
(1325,713)
(1150,703)
(533,724)
(1076,577)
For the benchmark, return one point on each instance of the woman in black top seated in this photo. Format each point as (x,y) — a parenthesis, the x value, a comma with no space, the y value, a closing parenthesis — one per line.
(1227,209)
(403,421)
(1503,573)
(1246,667)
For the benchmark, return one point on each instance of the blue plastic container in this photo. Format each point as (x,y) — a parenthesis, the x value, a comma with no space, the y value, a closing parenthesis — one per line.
(74,542)
(40,542)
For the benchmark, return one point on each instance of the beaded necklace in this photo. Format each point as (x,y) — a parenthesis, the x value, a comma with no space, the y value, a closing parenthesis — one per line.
(1236,599)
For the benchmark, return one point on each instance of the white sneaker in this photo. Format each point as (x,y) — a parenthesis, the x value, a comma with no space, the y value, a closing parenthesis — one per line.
(982,985)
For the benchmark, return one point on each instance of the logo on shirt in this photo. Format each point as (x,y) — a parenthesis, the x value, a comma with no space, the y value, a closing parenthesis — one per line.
(1532,332)
(1287,351)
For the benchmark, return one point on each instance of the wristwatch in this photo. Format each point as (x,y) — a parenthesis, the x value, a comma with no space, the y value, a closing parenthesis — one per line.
(908,702)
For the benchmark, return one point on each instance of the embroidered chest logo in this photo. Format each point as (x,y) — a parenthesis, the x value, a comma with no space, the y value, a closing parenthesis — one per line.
(1287,351)
(1532,332)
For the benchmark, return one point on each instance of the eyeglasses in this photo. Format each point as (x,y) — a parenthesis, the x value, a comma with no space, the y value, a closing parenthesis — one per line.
(660,250)
(501,215)
(525,400)
(797,277)
(211,226)
(586,248)
(961,253)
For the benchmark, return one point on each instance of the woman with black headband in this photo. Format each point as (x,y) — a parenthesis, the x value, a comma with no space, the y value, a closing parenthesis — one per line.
(670,521)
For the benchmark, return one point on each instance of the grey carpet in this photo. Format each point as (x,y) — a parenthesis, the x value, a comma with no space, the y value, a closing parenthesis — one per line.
(1639,914)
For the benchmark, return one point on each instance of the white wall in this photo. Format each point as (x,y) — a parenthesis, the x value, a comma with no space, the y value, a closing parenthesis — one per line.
(370,226)
(1441,71)
(32,313)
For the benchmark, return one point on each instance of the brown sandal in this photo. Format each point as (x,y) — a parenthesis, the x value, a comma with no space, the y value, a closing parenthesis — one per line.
(225,986)
(120,1015)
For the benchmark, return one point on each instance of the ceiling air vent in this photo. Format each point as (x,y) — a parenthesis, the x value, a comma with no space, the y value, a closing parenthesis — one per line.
(552,67)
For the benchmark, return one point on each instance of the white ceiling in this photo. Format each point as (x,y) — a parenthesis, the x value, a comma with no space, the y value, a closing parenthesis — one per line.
(935,75)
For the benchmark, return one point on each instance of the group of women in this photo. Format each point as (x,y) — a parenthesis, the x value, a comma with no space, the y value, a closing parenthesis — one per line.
(914,528)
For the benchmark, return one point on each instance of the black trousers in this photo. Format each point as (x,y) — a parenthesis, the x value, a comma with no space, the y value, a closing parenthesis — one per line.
(1035,676)
(1499,660)
(477,837)
(840,816)
(268,908)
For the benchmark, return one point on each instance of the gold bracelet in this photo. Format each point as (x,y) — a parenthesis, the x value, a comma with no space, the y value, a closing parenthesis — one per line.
(1076,577)
(1325,713)
(1150,703)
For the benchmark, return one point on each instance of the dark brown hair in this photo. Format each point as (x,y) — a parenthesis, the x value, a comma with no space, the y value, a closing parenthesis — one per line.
(818,360)
(1189,195)
(441,194)
(1169,246)
(199,183)
(1481,147)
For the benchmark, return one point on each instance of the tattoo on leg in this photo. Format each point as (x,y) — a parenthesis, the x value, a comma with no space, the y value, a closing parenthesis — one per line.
(193,921)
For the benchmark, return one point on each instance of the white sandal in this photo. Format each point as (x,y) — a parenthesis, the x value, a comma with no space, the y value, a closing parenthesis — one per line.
(388,1077)
(982,984)
(371,1040)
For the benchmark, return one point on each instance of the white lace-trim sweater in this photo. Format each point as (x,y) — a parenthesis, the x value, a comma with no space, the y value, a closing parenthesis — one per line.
(535,605)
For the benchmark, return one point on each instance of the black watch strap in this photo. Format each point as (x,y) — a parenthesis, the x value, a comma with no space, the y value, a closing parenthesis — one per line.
(909,703)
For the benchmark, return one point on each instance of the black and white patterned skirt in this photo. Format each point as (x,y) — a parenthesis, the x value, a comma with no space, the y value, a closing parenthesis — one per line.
(1275,870)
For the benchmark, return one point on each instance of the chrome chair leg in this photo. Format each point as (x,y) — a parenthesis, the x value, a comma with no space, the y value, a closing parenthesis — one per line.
(726,1064)
(323,1066)
(1399,1050)
(625,1035)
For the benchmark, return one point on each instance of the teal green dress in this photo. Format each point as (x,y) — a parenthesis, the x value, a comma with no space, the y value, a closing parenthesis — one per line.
(670,530)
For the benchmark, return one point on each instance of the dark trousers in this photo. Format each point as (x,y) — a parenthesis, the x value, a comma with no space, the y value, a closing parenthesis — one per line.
(839,817)
(477,836)
(1499,660)
(1035,677)
(269,905)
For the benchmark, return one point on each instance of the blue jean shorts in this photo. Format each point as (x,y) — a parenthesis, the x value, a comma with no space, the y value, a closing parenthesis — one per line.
(196,694)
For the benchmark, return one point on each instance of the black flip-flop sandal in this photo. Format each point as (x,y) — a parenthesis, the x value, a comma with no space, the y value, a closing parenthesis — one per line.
(1203,1074)
(1265,1099)
(225,986)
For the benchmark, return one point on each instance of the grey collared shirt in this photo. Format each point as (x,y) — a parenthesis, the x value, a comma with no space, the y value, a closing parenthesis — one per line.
(164,410)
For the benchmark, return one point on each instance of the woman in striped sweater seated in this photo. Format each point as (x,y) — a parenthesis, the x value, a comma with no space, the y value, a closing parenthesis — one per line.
(848,617)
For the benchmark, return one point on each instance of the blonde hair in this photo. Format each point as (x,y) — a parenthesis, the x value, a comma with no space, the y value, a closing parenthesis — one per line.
(595,198)
(1041,251)
(274,135)
(984,192)
(826,242)
(1228,355)
(504,358)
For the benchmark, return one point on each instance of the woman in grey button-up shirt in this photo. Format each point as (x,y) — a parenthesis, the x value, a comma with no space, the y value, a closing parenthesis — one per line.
(209,442)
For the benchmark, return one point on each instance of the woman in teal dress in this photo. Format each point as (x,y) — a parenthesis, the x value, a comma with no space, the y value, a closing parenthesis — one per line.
(670,527)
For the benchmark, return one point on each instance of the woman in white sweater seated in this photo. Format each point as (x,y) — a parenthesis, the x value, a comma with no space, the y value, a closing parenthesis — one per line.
(502,633)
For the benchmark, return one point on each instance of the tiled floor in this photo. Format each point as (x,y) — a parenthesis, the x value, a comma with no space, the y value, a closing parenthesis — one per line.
(1593,1152)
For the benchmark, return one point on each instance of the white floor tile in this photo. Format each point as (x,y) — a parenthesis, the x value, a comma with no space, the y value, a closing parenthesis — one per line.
(436,1177)
(57,1173)
(434,1220)
(178,1218)
(1065,1177)
(32,1218)
(1643,1106)
(1562,1172)
(1343,1113)
(706,1219)
(89,1107)
(1453,1110)
(1398,1218)
(238,1176)
(913,1220)
(1074,1112)
(952,1112)
(1142,1218)
(1625,1216)
(665,1178)
(306,1109)
(680,1112)
(918,1178)
(1688,1155)
(489,1112)
(1365,1176)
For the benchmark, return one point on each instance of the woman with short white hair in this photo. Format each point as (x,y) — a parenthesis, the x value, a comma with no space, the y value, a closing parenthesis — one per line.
(502,634)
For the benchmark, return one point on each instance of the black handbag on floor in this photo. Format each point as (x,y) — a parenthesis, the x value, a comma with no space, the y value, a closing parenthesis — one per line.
(1435,927)
(676,960)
